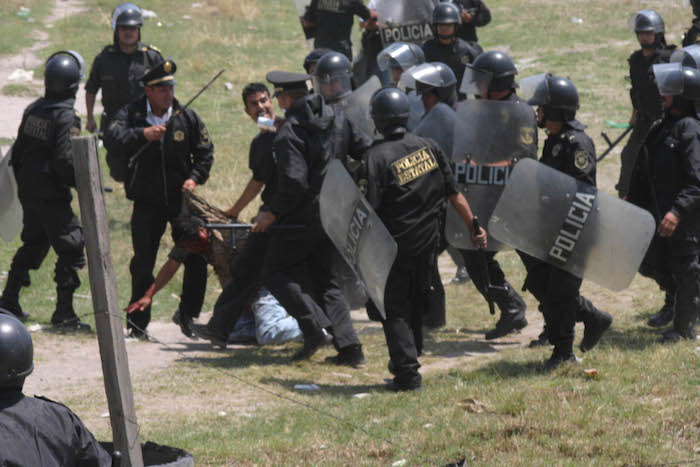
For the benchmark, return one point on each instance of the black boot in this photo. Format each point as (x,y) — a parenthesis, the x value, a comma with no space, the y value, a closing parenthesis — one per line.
(512,318)
(10,296)
(64,317)
(561,355)
(311,346)
(351,355)
(665,314)
(596,323)
(542,339)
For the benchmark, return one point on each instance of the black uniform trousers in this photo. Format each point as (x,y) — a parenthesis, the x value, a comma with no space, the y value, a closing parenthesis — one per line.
(299,271)
(148,223)
(686,274)
(244,281)
(406,298)
(656,266)
(629,155)
(507,303)
(50,224)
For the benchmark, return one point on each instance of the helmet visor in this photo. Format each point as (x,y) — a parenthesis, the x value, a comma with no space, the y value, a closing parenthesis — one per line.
(333,86)
(534,90)
(426,74)
(398,54)
(669,78)
(476,82)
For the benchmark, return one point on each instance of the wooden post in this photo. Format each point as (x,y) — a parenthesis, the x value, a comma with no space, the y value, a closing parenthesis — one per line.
(110,334)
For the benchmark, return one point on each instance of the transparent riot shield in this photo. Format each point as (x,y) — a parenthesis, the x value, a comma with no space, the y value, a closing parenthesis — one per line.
(357,232)
(572,225)
(301,6)
(10,209)
(405,20)
(417,110)
(356,105)
(438,125)
(489,132)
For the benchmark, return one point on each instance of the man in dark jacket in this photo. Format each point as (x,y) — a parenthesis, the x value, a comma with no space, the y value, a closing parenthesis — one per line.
(298,263)
(333,22)
(666,182)
(36,430)
(42,160)
(177,155)
(408,182)
(569,150)
(446,47)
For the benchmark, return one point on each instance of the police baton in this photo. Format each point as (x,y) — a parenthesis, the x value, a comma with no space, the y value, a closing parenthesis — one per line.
(612,144)
(491,291)
(134,158)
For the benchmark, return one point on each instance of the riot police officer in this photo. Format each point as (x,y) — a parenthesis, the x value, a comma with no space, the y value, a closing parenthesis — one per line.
(691,37)
(408,182)
(36,430)
(474,14)
(492,76)
(298,264)
(446,47)
(569,150)
(42,160)
(665,182)
(333,77)
(176,155)
(116,70)
(399,57)
(646,101)
(333,22)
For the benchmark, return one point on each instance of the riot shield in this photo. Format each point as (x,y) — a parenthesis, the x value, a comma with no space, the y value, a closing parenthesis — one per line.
(417,110)
(405,20)
(489,132)
(10,208)
(439,125)
(357,232)
(572,225)
(301,6)
(356,105)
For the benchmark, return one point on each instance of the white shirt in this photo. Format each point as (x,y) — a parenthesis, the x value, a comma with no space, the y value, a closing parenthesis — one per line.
(154,119)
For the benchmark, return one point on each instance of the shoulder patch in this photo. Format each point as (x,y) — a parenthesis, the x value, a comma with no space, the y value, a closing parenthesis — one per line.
(205,137)
(153,47)
(581,159)
(527,135)
(179,136)
(414,165)
(110,48)
(465,59)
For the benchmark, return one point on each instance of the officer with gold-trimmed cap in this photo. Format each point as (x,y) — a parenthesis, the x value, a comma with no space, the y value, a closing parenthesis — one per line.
(116,70)
(178,156)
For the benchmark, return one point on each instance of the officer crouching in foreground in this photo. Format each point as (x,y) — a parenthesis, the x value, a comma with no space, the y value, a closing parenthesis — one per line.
(35,430)
(666,182)
(408,180)
(569,150)
(42,159)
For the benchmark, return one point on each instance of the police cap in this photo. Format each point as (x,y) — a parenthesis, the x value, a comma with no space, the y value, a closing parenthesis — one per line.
(284,81)
(162,74)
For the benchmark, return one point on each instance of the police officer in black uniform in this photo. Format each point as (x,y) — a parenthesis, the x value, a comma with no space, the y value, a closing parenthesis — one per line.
(116,70)
(492,76)
(298,265)
(569,150)
(474,14)
(666,181)
(646,101)
(42,160)
(333,77)
(408,181)
(36,430)
(446,47)
(691,37)
(178,155)
(333,22)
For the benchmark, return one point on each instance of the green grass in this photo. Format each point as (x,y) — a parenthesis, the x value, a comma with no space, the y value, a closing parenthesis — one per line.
(20,90)
(18,31)
(644,408)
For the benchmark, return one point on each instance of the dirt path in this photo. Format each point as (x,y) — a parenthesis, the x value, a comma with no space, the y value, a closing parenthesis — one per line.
(13,107)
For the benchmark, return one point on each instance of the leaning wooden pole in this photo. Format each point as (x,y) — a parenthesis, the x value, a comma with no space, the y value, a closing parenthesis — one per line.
(103,284)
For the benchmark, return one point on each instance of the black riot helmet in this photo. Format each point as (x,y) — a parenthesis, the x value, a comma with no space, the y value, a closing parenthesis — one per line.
(556,95)
(63,73)
(333,76)
(400,56)
(446,13)
(490,71)
(649,21)
(433,77)
(126,14)
(681,82)
(688,56)
(390,110)
(16,353)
